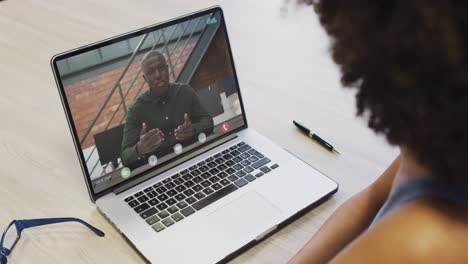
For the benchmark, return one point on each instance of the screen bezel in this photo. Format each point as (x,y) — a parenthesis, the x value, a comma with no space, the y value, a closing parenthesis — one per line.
(94,196)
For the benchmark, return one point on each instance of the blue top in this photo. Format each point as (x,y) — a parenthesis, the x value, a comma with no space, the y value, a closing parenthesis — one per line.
(436,187)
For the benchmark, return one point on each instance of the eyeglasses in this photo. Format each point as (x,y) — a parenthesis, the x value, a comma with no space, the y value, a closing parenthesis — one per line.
(11,235)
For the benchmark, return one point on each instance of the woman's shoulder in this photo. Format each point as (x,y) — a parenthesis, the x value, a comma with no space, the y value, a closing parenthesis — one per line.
(419,231)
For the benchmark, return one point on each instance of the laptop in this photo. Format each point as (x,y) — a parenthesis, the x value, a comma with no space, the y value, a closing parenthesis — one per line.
(182,184)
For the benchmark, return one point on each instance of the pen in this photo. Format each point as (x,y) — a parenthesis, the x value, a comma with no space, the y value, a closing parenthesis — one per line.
(315,137)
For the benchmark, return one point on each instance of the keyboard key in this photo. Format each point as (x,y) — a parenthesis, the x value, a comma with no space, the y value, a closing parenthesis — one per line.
(170,185)
(161,189)
(195,173)
(181,205)
(189,192)
(184,172)
(190,200)
(240,182)
(192,167)
(246,163)
(168,222)
(225,151)
(128,199)
(237,159)
(166,180)
(158,227)
(260,163)
(244,148)
(161,206)
(162,197)
(153,202)
(253,159)
(197,188)
(214,197)
(235,153)
(200,196)
(187,211)
(189,184)
(159,184)
(143,198)
(178,181)
(138,194)
(206,183)
(163,214)
(148,213)
(240,173)
(222,175)
(219,160)
(240,144)
(221,167)
(187,177)
(265,169)
(209,159)
(152,220)
(152,194)
(177,217)
(238,167)
(141,208)
(172,209)
(208,191)
(233,147)
(233,178)
(149,189)
(206,175)
(274,166)
(224,182)
(216,186)
(214,171)
(133,203)
(175,176)
(180,188)
(229,163)
(251,151)
(203,168)
(171,193)
(180,197)
(171,201)
(227,157)
(244,155)
(248,169)
(230,171)
(260,174)
(214,179)
(201,163)
(197,179)
(212,164)
(217,155)
(250,177)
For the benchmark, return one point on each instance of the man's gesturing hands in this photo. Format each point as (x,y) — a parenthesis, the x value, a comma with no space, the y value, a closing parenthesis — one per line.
(149,140)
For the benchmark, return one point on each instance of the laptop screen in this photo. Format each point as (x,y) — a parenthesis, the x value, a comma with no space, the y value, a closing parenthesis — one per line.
(144,99)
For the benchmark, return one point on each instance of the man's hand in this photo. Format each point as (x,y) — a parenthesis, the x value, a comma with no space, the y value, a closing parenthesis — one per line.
(184,131)
(149,140)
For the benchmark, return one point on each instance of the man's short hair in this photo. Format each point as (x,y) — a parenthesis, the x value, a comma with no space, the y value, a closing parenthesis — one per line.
(152,54)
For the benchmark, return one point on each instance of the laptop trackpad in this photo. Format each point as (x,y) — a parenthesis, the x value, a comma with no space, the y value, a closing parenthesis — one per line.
(245,215)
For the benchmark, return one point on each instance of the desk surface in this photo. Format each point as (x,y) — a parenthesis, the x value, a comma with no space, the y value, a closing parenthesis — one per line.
(284,71)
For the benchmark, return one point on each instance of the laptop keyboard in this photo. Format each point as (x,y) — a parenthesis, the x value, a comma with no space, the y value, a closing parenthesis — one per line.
(192,189)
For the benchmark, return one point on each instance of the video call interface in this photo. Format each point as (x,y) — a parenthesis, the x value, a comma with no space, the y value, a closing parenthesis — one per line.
(142,101)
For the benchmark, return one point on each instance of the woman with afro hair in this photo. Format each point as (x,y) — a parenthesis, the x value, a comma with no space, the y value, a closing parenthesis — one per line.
(408,61)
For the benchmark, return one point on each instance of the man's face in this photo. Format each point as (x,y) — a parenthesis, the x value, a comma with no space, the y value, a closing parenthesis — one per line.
(156,74)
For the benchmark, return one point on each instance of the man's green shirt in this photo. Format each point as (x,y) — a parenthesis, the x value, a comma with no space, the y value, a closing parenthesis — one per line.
(166,113)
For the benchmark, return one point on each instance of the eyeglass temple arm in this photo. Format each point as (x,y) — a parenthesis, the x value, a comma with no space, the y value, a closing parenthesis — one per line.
(27,223)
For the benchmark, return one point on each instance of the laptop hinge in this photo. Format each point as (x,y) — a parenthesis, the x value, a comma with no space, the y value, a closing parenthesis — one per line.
(173,164)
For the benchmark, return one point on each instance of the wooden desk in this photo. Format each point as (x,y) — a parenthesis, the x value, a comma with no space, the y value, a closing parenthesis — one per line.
(285,73)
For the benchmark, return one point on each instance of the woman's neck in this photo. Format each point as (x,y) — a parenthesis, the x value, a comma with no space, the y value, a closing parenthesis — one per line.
(410,168)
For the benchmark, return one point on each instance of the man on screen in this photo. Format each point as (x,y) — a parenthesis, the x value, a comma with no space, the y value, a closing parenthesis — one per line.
(166,114)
